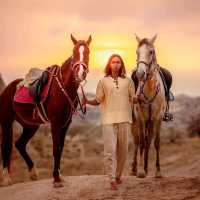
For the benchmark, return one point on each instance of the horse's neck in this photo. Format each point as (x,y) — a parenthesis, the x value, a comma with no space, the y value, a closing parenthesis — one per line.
(67,75)
(152,83)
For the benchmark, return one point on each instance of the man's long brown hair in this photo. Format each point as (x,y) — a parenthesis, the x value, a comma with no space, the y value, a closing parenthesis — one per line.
(107,70)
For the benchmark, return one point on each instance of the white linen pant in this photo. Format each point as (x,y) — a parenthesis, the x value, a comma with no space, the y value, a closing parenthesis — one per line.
(115,148)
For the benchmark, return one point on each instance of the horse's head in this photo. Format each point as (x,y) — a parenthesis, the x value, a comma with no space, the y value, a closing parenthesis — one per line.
(146,57)
(80,58)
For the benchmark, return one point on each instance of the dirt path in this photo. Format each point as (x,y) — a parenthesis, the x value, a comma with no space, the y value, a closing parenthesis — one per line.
(180,166)
(96,187)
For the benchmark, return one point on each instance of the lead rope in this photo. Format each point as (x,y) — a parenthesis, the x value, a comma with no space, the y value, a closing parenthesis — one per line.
(83,106)
(73,108)
(147,100)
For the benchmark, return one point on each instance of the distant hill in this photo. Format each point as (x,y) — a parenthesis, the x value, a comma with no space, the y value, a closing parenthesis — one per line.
(184,109)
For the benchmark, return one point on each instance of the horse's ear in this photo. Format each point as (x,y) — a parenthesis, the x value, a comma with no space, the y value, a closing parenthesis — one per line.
(73,39)
(89,40)
(153,39)
(137,38)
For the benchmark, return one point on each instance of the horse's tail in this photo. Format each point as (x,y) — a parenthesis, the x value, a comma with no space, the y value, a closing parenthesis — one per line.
(7,116)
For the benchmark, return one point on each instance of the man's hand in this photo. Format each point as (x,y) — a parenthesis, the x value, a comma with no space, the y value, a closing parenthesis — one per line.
(141,98)
(92,102)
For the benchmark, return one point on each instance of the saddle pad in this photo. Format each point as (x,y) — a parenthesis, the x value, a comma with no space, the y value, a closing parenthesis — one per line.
(23,95)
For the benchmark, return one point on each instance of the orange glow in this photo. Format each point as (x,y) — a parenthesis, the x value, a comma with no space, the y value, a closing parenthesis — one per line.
(104,46)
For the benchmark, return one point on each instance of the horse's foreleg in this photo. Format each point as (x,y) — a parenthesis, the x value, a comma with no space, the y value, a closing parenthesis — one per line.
(136,146)
(62,141)
(141,172)
(27,134)
(134,165)
(56,136)
(148,138)
(157,147)
(146,155)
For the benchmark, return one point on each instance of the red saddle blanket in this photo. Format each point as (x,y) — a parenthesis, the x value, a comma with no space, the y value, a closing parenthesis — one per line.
(23,95)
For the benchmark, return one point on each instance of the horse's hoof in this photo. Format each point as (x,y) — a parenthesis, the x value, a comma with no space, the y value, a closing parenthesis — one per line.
(57,184)
(6,179)
(6,182)
(133,173)
(141,174)
(33,174)
(158,174)
(62,178)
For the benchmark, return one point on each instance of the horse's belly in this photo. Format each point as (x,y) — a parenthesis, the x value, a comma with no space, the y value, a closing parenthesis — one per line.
(25,112)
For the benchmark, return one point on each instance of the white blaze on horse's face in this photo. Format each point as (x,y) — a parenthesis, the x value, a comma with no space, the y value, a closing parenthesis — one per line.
(81,71)
(144,58)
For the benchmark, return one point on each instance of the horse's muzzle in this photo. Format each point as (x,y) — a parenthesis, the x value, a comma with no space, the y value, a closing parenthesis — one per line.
(141,75)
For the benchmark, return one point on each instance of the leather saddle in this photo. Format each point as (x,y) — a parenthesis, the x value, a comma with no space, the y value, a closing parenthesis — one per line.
(37,86)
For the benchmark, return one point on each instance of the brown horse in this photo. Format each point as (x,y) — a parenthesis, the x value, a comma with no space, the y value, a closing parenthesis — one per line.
(58,105)
(150,110)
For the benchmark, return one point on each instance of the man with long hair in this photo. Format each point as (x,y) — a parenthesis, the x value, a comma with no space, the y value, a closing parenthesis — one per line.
(116,94)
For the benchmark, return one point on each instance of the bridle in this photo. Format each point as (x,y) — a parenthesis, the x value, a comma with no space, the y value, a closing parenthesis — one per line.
(148,76)
(148,65)
(74,66)
(60,81)
(86,69)
(146,100)
(75,63)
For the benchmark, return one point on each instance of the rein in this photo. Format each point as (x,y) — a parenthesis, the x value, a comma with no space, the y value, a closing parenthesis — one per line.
(73,108)
(141,91)
(146,99)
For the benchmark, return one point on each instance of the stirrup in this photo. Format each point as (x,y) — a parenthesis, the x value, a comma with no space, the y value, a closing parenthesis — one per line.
(168,117)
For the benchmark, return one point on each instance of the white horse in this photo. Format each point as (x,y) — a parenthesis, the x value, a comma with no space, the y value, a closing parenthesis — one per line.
(150,110)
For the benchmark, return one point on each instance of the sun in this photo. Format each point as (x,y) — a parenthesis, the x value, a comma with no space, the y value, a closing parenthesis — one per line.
(105,45)
(103,55)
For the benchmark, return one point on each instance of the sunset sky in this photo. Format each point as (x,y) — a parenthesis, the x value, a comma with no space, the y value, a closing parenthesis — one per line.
(35,33)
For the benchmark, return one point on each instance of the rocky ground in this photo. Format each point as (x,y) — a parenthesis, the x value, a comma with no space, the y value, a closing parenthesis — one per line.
(180,163)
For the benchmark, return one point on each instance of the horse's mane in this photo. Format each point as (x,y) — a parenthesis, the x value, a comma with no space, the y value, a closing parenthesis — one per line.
(67,62)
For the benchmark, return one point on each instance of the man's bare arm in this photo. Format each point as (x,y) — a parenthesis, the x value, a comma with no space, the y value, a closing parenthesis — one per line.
(92,102)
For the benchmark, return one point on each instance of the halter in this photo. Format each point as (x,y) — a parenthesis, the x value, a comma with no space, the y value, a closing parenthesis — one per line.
(57,74)
(75,64)
(145,63)
(141,87)
(148,65)
(60,81)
